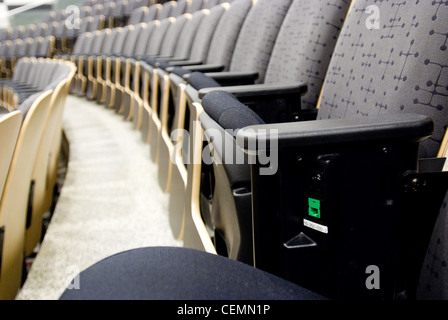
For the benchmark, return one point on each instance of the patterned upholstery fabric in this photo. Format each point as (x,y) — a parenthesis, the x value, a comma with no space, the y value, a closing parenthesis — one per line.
(143,39)
(257,37)
(305,44)
(208,4)
(205,33)
(172,35)
(131,40)
(187,35)
(179,9)
(152,13)
(193,6)
(167,8)
(227,31)
(156,40)
(400,67)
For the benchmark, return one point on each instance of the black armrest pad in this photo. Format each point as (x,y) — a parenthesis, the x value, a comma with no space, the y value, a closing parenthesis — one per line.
(260,89)
(186,63)
(205,67)
(390,127)
(234,78)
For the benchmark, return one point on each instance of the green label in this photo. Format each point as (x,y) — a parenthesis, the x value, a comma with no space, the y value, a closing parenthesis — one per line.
(314,208)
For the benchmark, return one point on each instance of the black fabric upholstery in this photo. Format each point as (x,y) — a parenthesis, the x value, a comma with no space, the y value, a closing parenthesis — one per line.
(228,112)
(180,71)
(198,80)
(163,273)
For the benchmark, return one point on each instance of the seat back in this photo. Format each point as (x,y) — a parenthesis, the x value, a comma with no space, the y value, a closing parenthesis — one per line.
(155,43)
(229,199)
(173,34)
(193,6)
(257,37)
(137,15)
(399,84)
(152,13)
(179,8)
(167,8)
(15,196)
(143,38)
(227,31)
(48,152)
(131,40)
(9,127)
(187,35)
(205,32)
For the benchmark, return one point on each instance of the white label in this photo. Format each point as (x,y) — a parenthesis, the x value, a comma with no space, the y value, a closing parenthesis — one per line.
(315,226)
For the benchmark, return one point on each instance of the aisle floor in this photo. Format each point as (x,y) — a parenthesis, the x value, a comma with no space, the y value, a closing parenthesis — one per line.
(110,200)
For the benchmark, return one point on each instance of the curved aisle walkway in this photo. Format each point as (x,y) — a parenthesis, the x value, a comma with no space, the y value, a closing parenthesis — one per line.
(110,201)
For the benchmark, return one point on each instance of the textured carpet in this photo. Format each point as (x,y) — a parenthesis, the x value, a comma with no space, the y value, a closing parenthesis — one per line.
(110,200)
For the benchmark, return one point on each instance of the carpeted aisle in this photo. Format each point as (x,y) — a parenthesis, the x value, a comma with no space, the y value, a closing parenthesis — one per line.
(110,201)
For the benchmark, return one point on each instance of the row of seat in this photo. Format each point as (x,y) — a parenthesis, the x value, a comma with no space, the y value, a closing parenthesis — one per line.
(31,135)
(12,51)
(351,119)
(110,9)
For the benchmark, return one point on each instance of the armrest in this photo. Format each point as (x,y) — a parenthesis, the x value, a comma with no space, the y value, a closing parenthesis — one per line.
(260,90)
(205,67)
(410,127)
(262,97)
(234,78)
(186,63)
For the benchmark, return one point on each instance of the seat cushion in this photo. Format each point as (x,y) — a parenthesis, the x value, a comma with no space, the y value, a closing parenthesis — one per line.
(228,112)
(199,80)
(165,273)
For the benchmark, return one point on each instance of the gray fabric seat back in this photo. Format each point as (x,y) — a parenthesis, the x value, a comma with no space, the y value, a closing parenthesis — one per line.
(208,4)
(257,37)
(205,33)
(99,41)
(155,43)
(226,33)
(173,35)
(137,15)
(305,44)
(108,42)
(152,13)
(187,35)
(143,38)
(179,9)
(120,40)
(167,8)
(391,69)
(193,6)
(131,40)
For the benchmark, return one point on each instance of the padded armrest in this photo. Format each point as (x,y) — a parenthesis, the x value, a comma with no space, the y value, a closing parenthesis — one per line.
(392,127)
(234,78)
(205,67)
(260,89)
(186,63)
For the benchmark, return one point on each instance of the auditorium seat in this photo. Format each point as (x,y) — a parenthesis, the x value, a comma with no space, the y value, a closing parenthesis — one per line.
(143,76)
(180,274)
(344,178)
(180,50)
(254,47)
(43,179)
(348,189)
(286,75)
(14,200)
(45,84)
(219,54)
